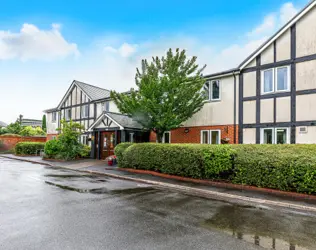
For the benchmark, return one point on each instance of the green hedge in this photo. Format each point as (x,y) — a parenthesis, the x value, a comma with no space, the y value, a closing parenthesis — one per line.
(188,160)
(283,167)
(29,148)
(120,149)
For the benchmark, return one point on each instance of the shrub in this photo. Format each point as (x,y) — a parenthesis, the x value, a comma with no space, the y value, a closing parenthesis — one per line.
(30,131)
(52,148)
(283,167)
(189,160)
(85,151)
(28,148)
(120,149)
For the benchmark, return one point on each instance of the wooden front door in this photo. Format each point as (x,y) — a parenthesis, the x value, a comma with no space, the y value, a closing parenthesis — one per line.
(107,144)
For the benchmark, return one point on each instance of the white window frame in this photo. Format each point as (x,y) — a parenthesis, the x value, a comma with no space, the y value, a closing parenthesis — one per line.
(163,137)
(288,77)
(219,136)
(54,119)
(53,137)
(274,134)
(131,137)
(84,139)
(84,113)
(67,113)
(211,91)
(262,81)
(201,136)
(209,136)
(104,104)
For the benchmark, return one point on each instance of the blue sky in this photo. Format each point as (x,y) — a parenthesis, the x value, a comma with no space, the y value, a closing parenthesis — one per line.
(44,45)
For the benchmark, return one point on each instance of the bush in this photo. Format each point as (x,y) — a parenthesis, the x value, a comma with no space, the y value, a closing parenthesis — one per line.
(120,149)
(30,131)
(283,167)
(188,160)
(85,151)
(28,148)
(52,148)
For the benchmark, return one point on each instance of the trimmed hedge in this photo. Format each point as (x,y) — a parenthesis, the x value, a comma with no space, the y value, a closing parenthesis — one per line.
(188,160)
(28,148)
(120,149)
(283,167)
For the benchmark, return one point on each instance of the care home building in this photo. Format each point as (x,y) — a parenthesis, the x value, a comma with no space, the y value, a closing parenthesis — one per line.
(268,98)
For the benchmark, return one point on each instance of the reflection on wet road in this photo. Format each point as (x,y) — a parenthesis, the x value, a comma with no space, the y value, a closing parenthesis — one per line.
(45,208)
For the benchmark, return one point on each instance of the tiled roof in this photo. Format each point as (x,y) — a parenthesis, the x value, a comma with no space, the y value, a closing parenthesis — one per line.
(2,124)
(124,120)
(95,93)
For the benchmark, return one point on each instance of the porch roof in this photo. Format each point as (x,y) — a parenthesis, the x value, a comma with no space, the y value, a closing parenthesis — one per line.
(106,120)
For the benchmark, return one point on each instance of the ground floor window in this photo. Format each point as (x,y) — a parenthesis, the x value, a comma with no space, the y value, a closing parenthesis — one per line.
(210,137)
(166,138)
(84,139)
(275,136)
(131,137)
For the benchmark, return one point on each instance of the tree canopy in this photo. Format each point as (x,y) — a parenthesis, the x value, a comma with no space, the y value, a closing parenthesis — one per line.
(169,92)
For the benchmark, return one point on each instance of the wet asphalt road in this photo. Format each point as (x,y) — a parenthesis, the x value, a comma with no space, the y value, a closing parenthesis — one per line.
(45,208)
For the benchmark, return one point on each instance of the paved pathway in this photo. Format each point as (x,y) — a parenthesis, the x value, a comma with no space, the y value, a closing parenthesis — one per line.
(237,196)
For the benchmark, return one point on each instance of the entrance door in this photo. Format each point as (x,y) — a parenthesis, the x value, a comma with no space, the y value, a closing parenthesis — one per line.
(107,144)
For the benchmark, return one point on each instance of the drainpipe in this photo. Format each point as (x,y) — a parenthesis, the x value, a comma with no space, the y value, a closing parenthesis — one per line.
(235,106)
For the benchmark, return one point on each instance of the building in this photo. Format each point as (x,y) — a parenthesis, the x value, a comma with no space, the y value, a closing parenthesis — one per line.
(31,122)
(3,124)
(268,98)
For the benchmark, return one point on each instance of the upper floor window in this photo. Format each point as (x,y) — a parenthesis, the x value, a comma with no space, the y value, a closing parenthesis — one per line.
(54,116)
(275,80)
(68,114)
(85,111)
(212,90)
(106,106)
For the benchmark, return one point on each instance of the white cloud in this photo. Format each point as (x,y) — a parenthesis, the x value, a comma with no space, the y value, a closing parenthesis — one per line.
(33,43)
(274,20)
(125,50)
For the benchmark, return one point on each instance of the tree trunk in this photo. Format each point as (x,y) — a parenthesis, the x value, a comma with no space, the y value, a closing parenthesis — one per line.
(159,137)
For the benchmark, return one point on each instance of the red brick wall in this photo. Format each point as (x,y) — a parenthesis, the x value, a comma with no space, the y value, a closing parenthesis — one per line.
(194,135)
(9,142)
(50,136)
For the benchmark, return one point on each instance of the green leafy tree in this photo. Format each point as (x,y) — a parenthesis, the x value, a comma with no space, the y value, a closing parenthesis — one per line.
(30,131)
(44,123)
(169,92)
(14,128)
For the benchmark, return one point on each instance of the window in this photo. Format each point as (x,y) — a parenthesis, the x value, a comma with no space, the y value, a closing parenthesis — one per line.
(282,76)
(205,137)
(54,116)
(275,136)
(166,137)
(85,111)
(84,139)
(68,114)
(275,80)
(131,137)
(106,106)
(53,137)
(210,137)
(268,80)
(211,90)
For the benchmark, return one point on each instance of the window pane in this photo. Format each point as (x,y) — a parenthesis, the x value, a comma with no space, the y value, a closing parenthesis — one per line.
(215,90)
(282,81)
(206,90)
(268,136)
(268,81)
(107,106)
(167,138)
(281,136)
(205,137)
(215,137)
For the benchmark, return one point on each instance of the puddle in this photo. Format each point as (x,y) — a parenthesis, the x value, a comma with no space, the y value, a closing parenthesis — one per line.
(66,176)
(265,228)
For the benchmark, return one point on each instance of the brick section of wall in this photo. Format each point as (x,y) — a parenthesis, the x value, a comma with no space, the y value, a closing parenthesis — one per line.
(9,142)
(194,135)
(51,136)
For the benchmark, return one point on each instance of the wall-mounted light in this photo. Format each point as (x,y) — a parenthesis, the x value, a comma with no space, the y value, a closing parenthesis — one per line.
(186,130)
